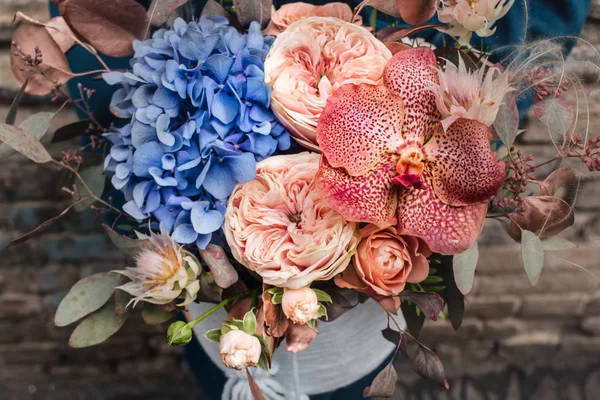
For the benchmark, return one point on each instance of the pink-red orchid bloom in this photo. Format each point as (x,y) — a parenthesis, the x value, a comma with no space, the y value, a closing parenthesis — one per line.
(387,160)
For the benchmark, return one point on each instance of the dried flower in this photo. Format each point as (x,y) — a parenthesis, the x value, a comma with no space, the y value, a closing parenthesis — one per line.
(164,272)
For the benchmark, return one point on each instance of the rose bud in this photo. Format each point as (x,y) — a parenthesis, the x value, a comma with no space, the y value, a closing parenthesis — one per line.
(300,305)
(179,334)
(239,350)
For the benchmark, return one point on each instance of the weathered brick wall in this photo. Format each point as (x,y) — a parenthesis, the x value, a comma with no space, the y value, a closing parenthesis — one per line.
(516,342)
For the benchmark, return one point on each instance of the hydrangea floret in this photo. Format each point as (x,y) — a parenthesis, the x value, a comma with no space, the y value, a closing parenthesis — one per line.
(200,120)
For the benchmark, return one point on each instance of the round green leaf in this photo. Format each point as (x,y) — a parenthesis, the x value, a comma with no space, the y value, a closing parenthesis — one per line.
(85,297)
(155,315)
(97,327)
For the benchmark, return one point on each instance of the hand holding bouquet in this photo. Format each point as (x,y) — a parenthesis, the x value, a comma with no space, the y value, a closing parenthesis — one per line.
(272,161)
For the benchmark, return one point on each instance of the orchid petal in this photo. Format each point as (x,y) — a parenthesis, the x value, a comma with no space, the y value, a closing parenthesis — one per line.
(445,229)
(465,170)
(368,198)
(411,73)
(360,125)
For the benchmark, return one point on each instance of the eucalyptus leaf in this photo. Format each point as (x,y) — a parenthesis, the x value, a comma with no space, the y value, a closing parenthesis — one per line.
(128,246)
(464,265)
(97,327)
(454,298)
(532,251)
(71,131)
(23,142)
(121,300)
(36,125)
(384,384)
(154,314)
(85,297)
(506,124)
(161,10)
(11,116)
(253,10)
(556,244)
(95,180)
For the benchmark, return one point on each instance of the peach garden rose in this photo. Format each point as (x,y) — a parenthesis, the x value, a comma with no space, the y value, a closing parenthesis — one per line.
(300,305)
(313,58)
(385,261)
(278,226)
(287,14)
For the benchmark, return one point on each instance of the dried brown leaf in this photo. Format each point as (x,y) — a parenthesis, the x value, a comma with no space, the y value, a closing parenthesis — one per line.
(299,337)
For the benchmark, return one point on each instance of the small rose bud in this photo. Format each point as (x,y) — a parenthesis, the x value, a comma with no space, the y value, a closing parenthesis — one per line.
(239,350)
(300,305)
(179,334)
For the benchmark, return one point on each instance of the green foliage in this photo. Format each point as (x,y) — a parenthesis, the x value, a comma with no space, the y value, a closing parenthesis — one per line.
(94,178)
(24,142)
(322,296)
(85,297)
(214,335)
(249,323)
(532,251)
(97,327)
(155,315)
(464,265)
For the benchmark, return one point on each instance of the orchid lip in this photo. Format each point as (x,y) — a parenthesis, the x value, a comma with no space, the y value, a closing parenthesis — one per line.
(410,166)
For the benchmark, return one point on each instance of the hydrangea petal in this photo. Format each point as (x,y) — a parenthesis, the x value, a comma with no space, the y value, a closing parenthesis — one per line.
(359,126)
(445,229)
(465,170)
(411,73)
(368,198)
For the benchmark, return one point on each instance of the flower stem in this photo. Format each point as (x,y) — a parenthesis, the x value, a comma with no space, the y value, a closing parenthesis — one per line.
(222,304)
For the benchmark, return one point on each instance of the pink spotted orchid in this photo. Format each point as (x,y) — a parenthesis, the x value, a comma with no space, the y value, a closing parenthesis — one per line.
(388,161)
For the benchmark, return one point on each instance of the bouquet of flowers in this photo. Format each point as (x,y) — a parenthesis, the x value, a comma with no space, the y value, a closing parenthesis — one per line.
(278,162)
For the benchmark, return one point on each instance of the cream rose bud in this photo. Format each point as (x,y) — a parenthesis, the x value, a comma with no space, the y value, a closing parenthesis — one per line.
(239,350)
(300,305)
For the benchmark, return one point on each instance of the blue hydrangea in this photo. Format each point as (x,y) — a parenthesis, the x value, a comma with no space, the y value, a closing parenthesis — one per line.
(200,120)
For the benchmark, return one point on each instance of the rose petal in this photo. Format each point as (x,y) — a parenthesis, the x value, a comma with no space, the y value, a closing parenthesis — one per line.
(360,125)
(299,337)
(368,198)
(465,170)
(411,73)
(445,229)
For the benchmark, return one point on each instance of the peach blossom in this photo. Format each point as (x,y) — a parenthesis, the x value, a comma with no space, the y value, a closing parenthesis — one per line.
(278,226)
(313,58)
(290,13)
(385,261)
(239,350)
(300,305)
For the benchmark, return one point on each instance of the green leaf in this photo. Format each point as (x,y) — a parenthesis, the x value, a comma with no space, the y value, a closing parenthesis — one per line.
(263,363)
(322,296)
(97,327)
(85,297)
(464,265)
(556,244)
(214,335)
(94,178)
(225,328)
(128,246)
(277,298)
(274,290)
(322,311)
(71,131)
(433,279)
(436,288)
(155,315)
(23,142)
(454,298)
(414,322)
(532,251)
(250,322)
(11,116)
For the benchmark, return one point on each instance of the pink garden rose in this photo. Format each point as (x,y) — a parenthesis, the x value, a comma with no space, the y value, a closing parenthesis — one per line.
(300,305)
(278,226)
(313,58)
(290,13)
(239,350)
(388,161)
(384,262)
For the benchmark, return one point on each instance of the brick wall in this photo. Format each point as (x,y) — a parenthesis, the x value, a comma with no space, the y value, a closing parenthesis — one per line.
(516,342)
